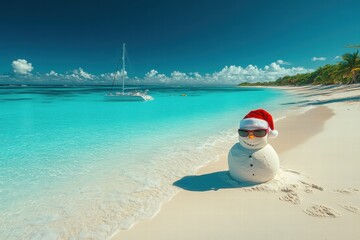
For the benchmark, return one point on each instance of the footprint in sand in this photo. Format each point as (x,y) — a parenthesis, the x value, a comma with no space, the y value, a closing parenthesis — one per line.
(309,187)
(352,209)
(322,211)
(347,190)
(291,197)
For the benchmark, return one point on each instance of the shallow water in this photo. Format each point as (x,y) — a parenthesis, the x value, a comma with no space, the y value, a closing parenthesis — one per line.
(75,166)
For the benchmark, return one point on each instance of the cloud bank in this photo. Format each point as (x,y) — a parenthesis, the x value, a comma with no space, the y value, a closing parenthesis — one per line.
(227,75)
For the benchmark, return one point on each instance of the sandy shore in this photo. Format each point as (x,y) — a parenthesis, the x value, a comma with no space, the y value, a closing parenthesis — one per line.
(316,194)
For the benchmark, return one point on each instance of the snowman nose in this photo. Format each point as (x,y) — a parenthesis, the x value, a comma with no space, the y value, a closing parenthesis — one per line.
(251,135)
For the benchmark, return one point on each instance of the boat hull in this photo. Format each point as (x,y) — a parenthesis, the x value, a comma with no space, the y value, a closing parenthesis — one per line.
(132,97)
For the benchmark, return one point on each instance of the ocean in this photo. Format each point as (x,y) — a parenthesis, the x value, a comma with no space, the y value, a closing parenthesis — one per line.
(75,166)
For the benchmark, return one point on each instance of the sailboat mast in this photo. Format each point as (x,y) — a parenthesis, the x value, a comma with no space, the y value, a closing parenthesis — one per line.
(123,68)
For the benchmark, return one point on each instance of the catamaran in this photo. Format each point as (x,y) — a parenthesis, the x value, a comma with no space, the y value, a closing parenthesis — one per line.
(128,95)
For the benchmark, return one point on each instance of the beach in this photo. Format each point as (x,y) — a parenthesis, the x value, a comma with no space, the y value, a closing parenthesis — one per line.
(315,195)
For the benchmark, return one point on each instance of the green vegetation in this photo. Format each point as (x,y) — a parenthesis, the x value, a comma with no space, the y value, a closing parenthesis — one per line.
(345,72)
(351,66)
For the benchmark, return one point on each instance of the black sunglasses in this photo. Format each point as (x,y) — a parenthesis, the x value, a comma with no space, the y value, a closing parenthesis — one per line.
(256,132)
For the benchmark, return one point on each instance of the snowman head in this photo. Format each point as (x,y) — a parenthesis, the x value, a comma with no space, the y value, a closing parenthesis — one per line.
(255,129)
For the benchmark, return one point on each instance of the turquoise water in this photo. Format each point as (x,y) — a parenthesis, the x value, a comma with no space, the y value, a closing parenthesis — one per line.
(75,166)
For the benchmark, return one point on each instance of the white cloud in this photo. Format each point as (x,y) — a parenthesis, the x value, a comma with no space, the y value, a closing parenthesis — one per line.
(318,59)
(275,67)
(155,77)
(112,76)
(21,66)
(337,58)
(52,73)
(196,75)
(282,62)
(178,75)
(152,73)
(80,73)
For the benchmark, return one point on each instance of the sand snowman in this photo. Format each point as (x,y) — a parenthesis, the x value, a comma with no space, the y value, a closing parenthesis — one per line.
(252,159)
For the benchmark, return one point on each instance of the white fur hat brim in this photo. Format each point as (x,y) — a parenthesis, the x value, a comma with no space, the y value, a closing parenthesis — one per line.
(253,123)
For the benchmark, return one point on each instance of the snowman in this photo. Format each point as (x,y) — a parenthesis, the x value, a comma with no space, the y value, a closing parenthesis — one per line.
(252,159)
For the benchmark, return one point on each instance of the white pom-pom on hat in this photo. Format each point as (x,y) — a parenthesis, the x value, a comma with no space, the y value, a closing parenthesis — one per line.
(259,119)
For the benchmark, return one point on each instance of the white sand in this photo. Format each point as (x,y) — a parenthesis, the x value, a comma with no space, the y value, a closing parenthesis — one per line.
(316,195)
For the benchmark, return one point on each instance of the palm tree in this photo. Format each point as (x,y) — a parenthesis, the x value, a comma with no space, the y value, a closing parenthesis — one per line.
(351,65)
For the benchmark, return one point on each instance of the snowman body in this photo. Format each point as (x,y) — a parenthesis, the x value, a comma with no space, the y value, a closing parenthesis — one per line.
(253,165)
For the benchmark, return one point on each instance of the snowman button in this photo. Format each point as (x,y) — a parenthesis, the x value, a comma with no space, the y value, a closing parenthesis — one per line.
(251,165)
(250,156)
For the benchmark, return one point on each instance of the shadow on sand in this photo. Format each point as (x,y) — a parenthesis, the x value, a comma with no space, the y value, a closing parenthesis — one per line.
(347,99)
(323,102)
(210,182)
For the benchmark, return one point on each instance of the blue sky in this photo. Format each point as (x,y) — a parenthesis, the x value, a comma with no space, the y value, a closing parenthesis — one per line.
(185,41)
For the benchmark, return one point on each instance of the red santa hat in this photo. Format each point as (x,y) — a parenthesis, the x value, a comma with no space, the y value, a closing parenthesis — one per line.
(259,119)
